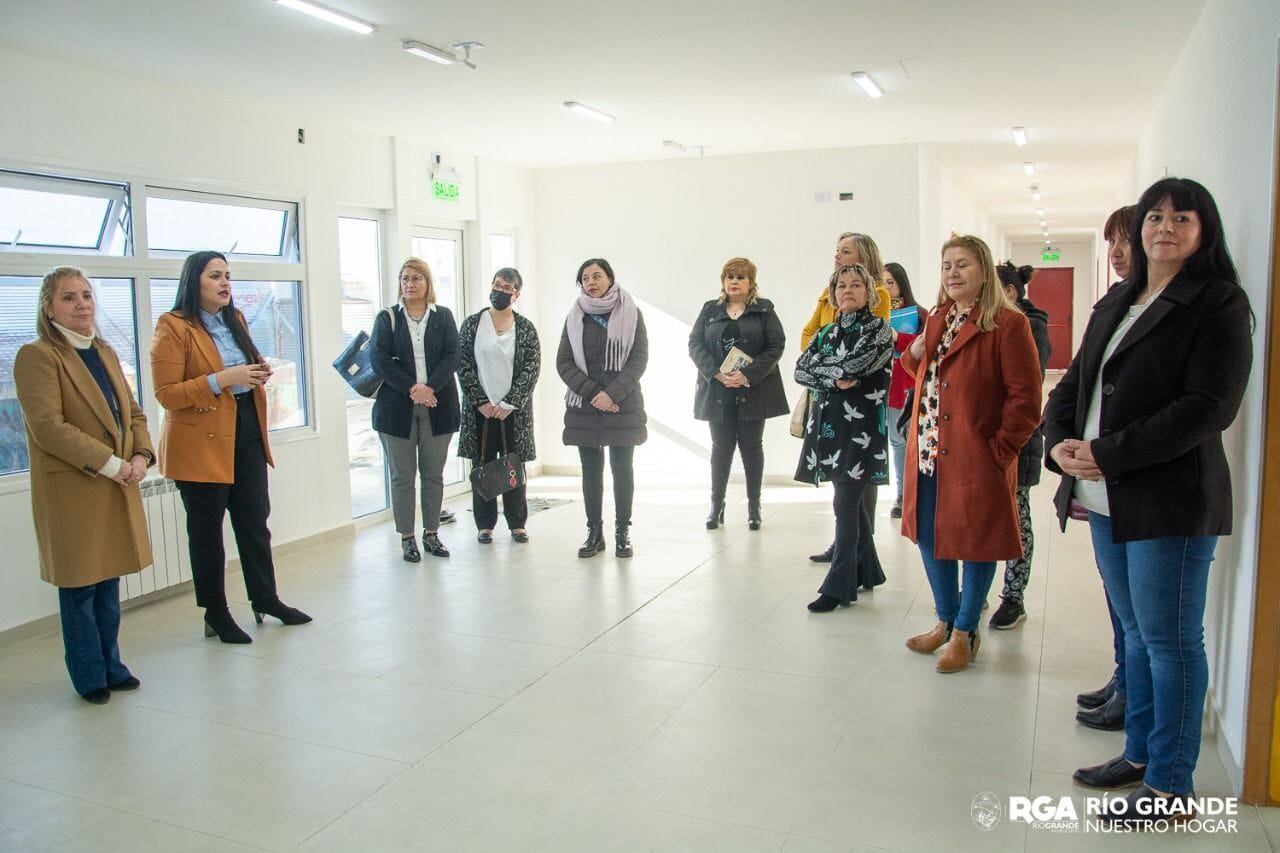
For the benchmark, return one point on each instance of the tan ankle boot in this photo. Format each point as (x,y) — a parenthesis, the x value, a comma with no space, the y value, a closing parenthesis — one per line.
(961,651)
(930,641)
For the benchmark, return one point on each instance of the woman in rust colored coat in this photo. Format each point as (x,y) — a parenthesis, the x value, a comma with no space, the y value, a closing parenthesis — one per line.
(977,401)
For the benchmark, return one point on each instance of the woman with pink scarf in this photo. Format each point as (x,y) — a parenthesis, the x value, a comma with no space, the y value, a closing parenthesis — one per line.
(603,353)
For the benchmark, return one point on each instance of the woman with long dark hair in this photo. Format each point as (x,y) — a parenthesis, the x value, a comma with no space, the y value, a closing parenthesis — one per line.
(907,320)
(209,377)
(1135,428)
(604,350)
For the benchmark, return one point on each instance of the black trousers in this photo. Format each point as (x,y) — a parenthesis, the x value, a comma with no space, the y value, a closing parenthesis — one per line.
(622,466)
(515,506)
(748,438)
(854,562)
(249,503)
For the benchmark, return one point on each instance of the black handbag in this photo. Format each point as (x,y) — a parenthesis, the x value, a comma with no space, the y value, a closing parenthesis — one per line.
(500,475)
(354,363)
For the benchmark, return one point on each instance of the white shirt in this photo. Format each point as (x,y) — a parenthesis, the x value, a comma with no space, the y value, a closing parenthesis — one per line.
(495,359)
(1093,493)
(417,329)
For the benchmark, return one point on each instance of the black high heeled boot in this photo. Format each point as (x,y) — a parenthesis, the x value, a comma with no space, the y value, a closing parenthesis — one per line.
(716,518)
(622,540)
(753,513)
(218,623)
(277,608)
(595,540)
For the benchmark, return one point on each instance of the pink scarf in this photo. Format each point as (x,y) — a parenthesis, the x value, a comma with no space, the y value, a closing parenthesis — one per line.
(621,331)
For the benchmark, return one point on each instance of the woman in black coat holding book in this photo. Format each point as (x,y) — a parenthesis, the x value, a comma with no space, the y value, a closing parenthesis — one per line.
(846,368)
(739,331)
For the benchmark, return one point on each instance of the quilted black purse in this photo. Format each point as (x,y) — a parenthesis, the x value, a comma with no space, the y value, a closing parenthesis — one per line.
(354,363)
(500,475)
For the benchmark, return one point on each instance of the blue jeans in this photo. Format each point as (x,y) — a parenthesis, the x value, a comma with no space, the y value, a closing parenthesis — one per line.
(1158,587)
(898,448)
(1117,640)
(91,634)
(958,609)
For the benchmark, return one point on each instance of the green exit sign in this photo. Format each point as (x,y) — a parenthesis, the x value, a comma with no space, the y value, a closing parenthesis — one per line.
(1050,257)
(444,190)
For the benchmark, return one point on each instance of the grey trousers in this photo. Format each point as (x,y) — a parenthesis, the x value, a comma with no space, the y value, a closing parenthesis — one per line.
(420,455)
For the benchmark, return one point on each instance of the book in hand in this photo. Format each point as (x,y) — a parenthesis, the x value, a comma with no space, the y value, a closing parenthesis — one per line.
(906,320)
(735,359)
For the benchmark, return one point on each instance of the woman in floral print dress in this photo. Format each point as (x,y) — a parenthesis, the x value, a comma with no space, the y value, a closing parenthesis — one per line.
(847,367)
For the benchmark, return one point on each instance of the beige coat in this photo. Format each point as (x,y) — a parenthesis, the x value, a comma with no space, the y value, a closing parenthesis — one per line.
(89,527)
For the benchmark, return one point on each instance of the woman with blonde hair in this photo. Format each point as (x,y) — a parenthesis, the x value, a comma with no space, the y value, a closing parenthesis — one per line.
(89,449)
(977,402)
(416,411)
(851,248)
(737,403)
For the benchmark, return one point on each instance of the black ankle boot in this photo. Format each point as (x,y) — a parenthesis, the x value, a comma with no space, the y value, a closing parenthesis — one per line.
(716,518)
(595,541)
(277,608)
(622,539)
(753,513)
(218,623)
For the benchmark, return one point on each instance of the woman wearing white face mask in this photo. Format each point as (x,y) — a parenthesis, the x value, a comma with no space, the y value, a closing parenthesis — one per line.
(498,371)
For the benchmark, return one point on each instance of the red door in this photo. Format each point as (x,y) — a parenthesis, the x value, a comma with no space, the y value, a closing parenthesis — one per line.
(1052,289)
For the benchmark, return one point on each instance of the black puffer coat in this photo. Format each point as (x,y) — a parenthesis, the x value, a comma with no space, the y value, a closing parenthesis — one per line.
(588,426)
(1029,460)
(760,336)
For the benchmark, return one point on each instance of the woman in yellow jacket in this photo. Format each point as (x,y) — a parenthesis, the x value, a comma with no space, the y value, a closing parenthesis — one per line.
(851,248)
(89,448)
(208,376)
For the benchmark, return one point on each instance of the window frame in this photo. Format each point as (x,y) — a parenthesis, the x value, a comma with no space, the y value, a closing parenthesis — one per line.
(114,192)
(140,266)
(292,221)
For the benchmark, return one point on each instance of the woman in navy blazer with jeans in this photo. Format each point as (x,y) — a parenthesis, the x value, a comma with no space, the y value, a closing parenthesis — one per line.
(416,412)
(1135,428)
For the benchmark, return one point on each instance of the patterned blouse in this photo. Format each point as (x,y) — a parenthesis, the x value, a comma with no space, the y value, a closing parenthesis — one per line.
(927,431)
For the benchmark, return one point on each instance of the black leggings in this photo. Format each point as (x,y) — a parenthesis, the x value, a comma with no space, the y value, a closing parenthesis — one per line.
(622,466)
(748,437)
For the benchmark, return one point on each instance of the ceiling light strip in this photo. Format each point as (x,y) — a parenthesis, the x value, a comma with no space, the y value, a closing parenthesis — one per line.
(426,51)
(868,85)
(590,112)
(328,15)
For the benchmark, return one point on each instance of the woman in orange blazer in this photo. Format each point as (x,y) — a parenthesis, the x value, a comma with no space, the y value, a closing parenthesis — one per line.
(89,449)
(977,401)
(208,376)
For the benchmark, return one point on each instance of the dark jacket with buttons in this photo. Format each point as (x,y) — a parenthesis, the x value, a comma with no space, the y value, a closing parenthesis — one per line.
(1171,387)
(585,425)
(760,336)
(392,360)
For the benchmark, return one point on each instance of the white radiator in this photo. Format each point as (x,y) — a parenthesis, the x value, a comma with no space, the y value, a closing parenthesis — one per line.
(167,528)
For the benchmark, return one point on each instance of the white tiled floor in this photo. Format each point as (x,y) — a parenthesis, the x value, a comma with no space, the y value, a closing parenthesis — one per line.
(516,698)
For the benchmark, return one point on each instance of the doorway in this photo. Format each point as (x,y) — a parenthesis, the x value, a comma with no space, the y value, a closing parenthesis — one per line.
(1052,289)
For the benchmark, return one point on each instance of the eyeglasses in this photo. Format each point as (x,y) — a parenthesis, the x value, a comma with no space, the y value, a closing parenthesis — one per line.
(505,287)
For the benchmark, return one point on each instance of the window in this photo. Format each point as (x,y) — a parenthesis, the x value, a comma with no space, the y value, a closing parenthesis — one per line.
(273,311)
(19,296)
(179,223)
(360,263)
(40,213)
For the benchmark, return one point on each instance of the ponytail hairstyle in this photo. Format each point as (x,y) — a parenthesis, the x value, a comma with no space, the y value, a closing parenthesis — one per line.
(186,303)
(1015,277)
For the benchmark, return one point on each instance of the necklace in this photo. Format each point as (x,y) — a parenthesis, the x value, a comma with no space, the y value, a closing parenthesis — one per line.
(734,311)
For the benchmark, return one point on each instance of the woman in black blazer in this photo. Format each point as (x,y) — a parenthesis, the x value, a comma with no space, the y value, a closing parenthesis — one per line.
(736,404)
(416,412)
(1135,428)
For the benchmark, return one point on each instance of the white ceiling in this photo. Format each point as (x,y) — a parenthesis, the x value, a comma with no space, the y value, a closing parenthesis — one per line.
(735,75)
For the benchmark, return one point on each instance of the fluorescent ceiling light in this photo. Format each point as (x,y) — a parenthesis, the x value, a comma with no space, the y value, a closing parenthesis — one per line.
(589,112)
(1020,136)
(1040,212)
(1044,223)
(315,10)
(1029,167)
(868,85)
(1035,193)
(673,145)
(426,51)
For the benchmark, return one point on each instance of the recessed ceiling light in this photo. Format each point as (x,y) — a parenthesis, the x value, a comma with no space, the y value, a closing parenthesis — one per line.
(426,51)
(315,10)
(1029,167)
(868,85)
(1035,193)
(589,112)
(1047,243)
(1020,136)
(1040,212)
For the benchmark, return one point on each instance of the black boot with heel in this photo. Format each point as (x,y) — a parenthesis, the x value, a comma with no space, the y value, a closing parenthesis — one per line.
(716,518)
(218,623)
(595,541)
(622,539)
(277,608)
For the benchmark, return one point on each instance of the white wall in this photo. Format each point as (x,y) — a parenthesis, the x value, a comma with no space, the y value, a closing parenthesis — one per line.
(945,206)
(668,227)
(70,118)
(1083,258)
(1216,123)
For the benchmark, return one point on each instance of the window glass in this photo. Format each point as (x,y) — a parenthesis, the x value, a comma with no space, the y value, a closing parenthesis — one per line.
(273,311)
(19,296)
(48,214)
(359,261)
(238,227)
